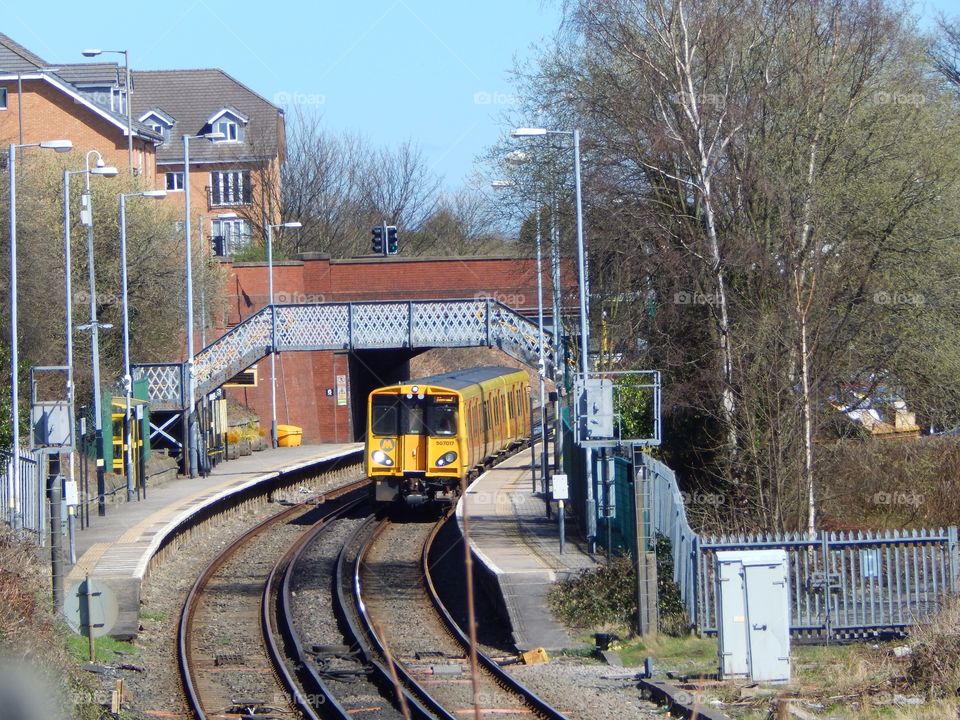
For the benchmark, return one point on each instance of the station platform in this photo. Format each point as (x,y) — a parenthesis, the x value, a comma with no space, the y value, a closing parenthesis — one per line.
(518,548)
(115,551)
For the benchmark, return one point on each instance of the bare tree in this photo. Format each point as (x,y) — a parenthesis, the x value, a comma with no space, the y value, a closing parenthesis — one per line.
(759,177)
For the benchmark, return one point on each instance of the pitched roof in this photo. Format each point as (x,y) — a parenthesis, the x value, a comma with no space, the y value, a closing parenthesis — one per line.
(14,59)
(101,73)
(191,98)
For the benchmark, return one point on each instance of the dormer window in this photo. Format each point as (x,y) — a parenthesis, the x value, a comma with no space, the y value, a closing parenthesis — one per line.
(229,129)
(229,123)
(158,121)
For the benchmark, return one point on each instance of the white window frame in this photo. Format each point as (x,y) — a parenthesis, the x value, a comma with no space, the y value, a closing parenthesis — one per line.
(176,176)
(230,129)
(236,233)
(160,129)
(231,185)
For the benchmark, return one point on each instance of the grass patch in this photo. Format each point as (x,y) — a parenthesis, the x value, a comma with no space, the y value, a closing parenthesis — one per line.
(107,649)
(148,614)
(688,654)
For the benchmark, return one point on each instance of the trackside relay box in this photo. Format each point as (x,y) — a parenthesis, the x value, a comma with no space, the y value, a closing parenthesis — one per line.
(754,614)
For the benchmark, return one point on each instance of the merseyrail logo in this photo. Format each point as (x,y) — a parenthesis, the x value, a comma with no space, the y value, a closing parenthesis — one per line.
(388,444)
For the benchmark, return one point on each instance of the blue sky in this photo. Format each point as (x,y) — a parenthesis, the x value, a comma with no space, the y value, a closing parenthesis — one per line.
(435,72)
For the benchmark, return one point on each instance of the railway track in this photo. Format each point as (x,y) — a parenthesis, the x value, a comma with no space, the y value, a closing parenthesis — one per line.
(395,602)
(229,661)
(259,634)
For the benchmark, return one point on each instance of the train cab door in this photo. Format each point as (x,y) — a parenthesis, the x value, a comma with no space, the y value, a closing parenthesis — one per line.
(413,436)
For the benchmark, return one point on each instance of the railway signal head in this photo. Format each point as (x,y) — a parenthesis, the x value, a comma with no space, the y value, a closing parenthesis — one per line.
(378,240)
(392,243)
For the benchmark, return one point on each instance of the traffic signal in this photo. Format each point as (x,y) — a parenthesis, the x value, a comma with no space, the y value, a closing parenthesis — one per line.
(392,246)
(378,240)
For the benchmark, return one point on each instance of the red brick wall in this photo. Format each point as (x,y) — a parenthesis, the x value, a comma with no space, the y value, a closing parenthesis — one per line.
(513,281)
(305,378)
(199,185)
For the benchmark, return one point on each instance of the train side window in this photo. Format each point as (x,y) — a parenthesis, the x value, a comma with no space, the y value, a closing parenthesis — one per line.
(385,415)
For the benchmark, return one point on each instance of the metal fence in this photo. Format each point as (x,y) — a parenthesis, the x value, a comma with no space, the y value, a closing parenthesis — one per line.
(848,584)
(669,518)
(24,504)
(841,584)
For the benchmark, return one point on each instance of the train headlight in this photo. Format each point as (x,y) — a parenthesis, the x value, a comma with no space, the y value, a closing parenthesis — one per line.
(380,457)
(446,459)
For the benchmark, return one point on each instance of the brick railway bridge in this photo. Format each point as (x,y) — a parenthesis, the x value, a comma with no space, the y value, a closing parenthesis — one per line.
(351,326)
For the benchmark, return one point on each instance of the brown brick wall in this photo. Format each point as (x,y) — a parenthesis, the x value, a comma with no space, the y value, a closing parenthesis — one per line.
(305,377)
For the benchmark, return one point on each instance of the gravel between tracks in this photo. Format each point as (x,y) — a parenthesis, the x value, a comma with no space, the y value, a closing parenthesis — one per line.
(315,620)
(583,690)
(157,689)
(405,618)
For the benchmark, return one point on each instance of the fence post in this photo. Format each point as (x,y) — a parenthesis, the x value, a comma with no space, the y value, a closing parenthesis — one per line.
(647,602)
(954,559)
(827,597)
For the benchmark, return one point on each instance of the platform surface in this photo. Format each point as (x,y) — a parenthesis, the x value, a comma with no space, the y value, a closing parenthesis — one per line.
(116,549)
(512,537)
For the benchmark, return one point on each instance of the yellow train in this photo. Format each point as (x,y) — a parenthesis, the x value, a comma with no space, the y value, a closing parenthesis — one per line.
(427,435)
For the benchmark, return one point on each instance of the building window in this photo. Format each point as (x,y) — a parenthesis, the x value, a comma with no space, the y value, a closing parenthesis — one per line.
(230,236)
(118,100)
(230,188)
(162,130)
(3,98)
(174,181)
(159,123)
(229,128)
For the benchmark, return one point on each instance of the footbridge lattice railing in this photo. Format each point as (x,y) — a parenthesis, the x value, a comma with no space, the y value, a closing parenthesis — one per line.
(348,326)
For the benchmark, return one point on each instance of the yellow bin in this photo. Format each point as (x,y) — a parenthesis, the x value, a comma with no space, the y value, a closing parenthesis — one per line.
(289,435)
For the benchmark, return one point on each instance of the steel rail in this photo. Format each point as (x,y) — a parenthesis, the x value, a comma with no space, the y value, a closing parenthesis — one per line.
(279,613)
(365,636)
(190,605)
(499,674)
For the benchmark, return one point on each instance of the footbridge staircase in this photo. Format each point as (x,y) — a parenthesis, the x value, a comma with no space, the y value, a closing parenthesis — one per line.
(346,326)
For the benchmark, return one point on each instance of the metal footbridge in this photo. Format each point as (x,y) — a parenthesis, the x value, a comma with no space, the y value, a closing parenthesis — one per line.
(348,326)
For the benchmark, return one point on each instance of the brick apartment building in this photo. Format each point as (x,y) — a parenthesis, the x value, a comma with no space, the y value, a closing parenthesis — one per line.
(84,104)
(234,180)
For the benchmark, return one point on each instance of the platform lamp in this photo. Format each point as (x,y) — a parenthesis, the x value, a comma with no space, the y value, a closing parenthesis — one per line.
(519,157)
(127,378)
(57,146)
(103,170)
(582,277)
(189,455)
(94,52)
(273,327)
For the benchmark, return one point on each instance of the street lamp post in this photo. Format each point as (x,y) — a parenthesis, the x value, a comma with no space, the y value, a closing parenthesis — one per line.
(105,171)
(541,369)
(190,451)
(86,218)
(127,379)
(58,146)
(582,277)
(93,52)
(273,328)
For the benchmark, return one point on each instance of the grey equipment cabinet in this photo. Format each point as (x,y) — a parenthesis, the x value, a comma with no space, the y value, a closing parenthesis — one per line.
(754,614)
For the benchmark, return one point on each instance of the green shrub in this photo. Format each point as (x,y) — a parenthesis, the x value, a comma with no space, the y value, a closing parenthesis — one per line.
(673,613)
(596,598)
